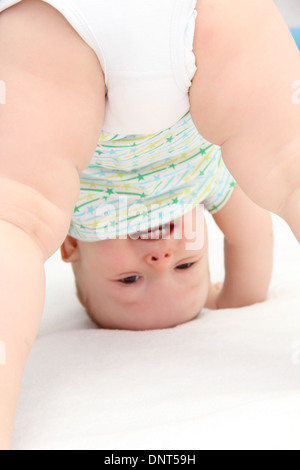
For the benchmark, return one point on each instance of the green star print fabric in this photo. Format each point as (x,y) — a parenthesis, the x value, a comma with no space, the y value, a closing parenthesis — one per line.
(137,182)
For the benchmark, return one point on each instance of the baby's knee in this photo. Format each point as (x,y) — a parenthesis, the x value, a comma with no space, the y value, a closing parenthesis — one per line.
(31,211)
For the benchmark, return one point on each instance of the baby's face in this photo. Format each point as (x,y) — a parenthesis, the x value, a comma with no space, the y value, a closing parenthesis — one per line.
(142,284)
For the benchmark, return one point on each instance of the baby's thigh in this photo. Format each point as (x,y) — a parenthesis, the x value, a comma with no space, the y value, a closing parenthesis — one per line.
(49,124)
(240,47)
(239,99)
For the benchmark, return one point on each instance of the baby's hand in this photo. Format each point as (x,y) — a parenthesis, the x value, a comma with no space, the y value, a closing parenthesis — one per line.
(214,293)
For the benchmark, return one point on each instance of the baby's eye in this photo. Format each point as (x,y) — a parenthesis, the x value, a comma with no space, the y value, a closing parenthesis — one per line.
(185,266)
(130,280)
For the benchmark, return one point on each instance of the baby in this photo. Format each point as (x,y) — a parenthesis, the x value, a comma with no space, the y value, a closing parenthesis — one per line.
(129,275)
(153,284)
(72,69)
(141,284)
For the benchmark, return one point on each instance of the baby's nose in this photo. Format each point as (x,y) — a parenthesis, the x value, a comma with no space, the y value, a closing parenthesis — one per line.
(160,261)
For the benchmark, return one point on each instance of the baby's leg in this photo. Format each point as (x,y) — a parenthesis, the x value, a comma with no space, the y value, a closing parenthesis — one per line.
(49,129)
(243,99)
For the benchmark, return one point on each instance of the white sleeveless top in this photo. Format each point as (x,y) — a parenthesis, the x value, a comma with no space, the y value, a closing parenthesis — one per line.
(145,50)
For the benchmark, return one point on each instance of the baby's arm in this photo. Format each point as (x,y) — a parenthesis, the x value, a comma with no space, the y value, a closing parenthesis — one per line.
(49,129)
(248,251)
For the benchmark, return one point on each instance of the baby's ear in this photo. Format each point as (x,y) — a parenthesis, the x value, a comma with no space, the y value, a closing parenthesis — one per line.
(69,250)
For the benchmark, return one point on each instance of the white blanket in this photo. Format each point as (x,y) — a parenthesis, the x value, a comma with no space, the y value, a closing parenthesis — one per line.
(228,380)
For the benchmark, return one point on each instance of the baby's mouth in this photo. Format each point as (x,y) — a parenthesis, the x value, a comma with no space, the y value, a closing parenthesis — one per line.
(163,232)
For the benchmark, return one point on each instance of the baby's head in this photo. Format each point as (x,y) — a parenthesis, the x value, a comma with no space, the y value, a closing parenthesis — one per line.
(142,284)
